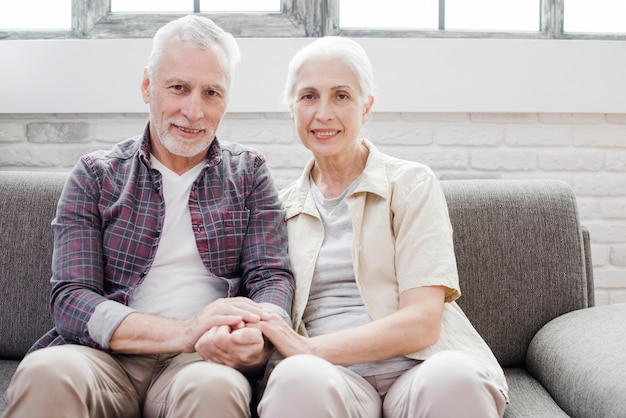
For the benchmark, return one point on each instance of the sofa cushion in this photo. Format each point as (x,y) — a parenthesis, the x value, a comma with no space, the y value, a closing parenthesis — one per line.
(579,358)
(528,399)
(27,204)
(519,250)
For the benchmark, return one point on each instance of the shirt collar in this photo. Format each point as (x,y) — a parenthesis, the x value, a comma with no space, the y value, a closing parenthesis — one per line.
(373,180)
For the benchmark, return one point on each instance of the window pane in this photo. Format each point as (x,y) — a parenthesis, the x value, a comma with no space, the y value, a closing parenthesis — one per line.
(494,15)
(36,15)
(151,6)
(599,16)
(240,5)
(389,14)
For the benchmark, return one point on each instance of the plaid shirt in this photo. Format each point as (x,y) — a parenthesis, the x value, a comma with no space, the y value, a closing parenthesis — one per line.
(108,222)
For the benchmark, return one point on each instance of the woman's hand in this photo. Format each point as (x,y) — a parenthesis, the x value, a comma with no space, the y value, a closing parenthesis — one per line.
(287,341)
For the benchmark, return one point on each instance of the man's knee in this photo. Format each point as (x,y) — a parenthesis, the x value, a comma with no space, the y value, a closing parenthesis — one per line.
(62,380)
(51,368)
(198,388)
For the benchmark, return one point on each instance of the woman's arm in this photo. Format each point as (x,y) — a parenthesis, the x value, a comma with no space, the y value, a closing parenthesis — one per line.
(414,326)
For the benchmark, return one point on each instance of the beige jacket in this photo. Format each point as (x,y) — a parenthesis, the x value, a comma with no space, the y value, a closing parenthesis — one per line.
(402,240)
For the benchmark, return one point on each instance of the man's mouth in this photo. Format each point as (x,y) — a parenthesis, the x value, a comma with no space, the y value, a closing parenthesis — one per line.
(189,130)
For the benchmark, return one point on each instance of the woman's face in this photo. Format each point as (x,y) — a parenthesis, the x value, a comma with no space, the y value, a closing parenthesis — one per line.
(327,109)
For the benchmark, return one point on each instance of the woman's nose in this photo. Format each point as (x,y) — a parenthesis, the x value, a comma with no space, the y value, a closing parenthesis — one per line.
(325,111)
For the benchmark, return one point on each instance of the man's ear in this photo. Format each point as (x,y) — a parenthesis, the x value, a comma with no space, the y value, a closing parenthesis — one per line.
(145,86)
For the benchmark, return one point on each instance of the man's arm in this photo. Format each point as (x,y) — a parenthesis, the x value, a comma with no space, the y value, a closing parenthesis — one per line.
(266,272)
(77,262)
(140,333)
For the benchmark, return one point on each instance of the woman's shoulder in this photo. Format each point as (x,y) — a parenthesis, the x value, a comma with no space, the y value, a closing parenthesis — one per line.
(401,171)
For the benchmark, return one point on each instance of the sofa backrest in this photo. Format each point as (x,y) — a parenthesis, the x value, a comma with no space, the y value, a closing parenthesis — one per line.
(522,257)
(521,253)
(27,206)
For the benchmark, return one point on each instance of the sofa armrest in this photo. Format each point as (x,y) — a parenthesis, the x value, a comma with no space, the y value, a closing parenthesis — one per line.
(579,358)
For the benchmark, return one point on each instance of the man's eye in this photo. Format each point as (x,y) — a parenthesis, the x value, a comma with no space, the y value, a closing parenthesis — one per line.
(177,87)
(212,93)
(307,97)
(342,96)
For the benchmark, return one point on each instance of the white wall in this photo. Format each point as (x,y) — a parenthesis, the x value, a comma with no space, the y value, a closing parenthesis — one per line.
(413,75)
(467,108)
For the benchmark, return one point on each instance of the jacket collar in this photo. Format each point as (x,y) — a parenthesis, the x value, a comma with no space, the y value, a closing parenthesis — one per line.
(373,180)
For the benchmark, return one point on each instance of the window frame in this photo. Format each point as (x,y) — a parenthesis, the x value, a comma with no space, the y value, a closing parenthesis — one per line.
(297,18)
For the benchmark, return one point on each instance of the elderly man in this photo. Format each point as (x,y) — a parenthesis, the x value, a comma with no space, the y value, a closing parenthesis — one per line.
(165,248)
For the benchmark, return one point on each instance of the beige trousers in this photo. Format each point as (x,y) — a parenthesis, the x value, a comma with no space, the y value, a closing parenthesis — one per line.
(77,381)
(449,384)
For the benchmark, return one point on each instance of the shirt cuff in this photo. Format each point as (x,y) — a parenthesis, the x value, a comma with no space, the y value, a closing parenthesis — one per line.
(105,320)
(283,314)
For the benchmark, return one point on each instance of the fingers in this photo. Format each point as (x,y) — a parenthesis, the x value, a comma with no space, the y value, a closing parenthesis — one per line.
(249,311)
(247,336)
(239,348)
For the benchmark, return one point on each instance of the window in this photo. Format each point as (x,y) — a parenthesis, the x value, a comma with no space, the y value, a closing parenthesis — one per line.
(493,15)
(475,15)
(203,6)
(534,19)
(597,16)
(388,14)
(50,15)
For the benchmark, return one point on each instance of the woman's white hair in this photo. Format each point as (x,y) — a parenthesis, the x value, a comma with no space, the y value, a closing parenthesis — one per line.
(334,48)
(203,32)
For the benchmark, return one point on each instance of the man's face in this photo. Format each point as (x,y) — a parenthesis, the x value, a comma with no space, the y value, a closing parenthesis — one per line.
(187,95)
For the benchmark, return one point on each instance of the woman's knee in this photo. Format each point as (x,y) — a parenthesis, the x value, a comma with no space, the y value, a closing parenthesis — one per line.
(453,375)
(304,386)
(449,368)
(303,373)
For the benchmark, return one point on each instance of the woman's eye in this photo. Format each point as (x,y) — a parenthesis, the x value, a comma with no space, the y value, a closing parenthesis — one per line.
(307,97)
(342,96)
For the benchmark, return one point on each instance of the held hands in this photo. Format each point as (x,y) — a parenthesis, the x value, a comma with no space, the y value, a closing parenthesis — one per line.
(219,333)
(243,334)
(287,341)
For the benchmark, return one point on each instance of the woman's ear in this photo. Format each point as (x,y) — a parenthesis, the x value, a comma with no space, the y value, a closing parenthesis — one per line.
(367,109)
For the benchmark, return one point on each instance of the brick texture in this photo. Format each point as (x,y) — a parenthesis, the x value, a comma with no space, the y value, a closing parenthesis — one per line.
(586,150)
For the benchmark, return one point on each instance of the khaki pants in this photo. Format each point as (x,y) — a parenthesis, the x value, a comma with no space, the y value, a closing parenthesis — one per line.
(77,381)
(447,385)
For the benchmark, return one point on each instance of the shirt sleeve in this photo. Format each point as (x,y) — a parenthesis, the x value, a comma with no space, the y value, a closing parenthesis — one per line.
(422,227)
(267,276)
(77,261)
(105,320)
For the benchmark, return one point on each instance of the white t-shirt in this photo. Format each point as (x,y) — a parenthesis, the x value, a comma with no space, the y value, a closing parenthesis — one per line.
(178,284)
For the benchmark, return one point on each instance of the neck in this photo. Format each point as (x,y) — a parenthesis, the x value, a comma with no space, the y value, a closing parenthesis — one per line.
(333,175)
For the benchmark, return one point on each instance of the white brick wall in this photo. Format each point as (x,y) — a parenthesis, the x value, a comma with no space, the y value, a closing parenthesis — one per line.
(586,150)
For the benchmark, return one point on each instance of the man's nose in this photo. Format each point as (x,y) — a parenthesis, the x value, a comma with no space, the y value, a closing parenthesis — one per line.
(192,107)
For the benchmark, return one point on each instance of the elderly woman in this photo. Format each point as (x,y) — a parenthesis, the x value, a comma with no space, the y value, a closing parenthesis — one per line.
(370,243)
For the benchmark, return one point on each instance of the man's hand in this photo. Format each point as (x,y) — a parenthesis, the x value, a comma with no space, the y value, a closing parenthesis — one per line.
(242,348)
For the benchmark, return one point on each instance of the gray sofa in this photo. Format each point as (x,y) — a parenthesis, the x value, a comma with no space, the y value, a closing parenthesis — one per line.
(525,270)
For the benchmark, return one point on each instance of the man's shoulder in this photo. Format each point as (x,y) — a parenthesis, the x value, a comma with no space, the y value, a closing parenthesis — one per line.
(123,150)
(241,157)
(238,149)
